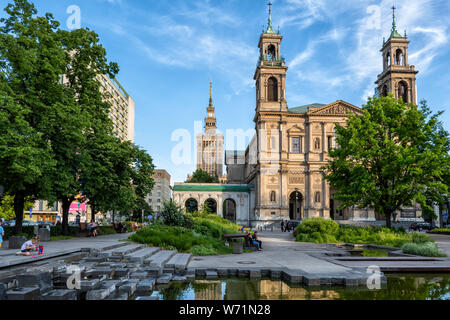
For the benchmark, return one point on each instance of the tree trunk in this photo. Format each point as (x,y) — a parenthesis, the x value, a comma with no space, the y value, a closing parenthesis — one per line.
(113,220)
(388,220)
(93,210)
(65,213)
(19,204)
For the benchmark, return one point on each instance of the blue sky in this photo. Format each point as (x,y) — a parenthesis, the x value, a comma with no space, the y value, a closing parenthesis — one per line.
(168,51)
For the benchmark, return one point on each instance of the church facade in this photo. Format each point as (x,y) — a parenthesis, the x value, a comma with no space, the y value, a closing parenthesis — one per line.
(282,164)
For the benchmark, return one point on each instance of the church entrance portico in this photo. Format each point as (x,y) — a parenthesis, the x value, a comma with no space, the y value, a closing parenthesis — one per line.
(296,206)
(231,202)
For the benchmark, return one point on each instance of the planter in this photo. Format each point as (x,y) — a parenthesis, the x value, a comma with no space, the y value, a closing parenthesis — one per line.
(16,242)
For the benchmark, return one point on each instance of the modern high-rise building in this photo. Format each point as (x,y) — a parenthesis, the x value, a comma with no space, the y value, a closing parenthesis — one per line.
(161,191)
(210,144)
(122,107)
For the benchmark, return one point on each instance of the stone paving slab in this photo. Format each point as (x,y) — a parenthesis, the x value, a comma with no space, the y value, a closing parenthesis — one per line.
(140,255)
(160,259)
(55,249)
(125,250)
(179,261)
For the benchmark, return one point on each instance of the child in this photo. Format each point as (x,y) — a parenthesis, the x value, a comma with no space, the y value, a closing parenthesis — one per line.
(2,234)
(29,246)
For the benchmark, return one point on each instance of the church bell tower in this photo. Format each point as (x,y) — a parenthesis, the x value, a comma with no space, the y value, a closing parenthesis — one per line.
(398,77)
(270,75)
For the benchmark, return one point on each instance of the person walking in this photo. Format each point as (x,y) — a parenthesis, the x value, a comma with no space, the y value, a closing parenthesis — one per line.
(282,226)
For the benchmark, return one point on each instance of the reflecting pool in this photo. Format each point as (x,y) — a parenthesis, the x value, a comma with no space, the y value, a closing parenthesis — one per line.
(399,287)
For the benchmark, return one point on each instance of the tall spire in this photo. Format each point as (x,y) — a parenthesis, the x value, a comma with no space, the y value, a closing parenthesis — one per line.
(210,94)
(269,27)
(394,32)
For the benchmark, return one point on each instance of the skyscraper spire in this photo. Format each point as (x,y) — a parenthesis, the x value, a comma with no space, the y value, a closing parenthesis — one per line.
(210,94)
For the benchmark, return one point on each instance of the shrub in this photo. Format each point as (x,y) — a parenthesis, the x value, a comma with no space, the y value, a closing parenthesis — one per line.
(106,230)
(319,225)
(427,249)
(173,215)
(421,238)
(443,231)
(326,231)
(205,238)
(56,231)
(27,231)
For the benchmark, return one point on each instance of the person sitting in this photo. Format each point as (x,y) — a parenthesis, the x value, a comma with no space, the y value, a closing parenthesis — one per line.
(92,227)
(122,228)
(28,247)
(257,242)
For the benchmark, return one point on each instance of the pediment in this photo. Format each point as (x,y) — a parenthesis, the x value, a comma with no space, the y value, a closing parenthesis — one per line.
(338,108)
(295,129)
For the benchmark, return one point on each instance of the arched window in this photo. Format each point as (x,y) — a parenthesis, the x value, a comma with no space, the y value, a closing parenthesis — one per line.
(403,91)
(317,197)
(273,196)
(384,91)
(399,57)
(271,53)
(388,59)
(272,88)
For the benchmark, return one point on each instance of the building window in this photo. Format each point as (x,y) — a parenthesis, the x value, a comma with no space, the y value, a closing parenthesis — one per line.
(159,200)
(273,196)
(317,197)
(330,143)
(317,144)
(272,88)
(296,148)
(159,208)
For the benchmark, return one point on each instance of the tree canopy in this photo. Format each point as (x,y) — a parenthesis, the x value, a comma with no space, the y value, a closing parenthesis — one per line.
(57,139)
(392,157)
(201,176)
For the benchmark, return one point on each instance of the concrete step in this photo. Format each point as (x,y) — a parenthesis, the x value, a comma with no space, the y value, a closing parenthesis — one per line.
(142,254)
(179,261)
(120,252)
(107,248)
(108,253)
(160,259)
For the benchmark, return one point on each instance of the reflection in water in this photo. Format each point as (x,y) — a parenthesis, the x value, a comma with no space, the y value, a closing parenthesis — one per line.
(399,287)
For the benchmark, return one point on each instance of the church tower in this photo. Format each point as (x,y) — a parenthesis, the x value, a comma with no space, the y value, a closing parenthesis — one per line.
(270,75)
(398,76)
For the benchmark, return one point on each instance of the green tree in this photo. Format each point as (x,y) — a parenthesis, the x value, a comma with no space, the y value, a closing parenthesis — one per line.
(389,158)
(201,176)
(31,62)
(71,139)
(7,207)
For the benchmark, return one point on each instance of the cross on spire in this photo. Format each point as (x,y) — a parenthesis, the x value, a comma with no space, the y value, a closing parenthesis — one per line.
(394,33)
(269,27)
